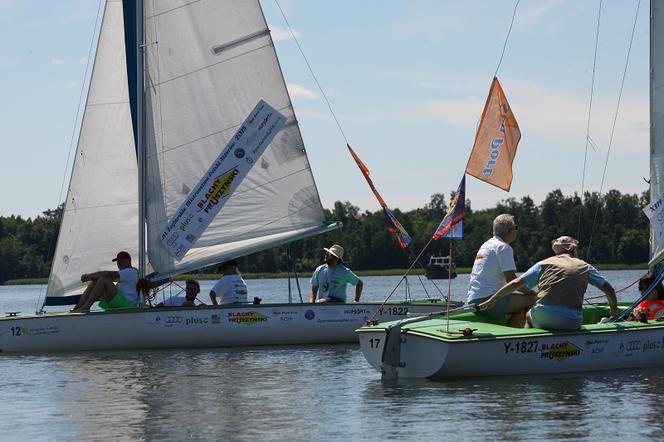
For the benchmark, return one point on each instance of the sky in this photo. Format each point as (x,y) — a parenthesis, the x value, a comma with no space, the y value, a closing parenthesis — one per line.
(406,80)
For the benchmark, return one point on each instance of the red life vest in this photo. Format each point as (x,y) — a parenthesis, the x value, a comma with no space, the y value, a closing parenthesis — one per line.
(655,309)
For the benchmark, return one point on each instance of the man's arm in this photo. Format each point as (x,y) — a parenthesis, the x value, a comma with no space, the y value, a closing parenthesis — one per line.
(358,290)
(312,295)
(505,290)
(111,274)
(611,297)
(213,297)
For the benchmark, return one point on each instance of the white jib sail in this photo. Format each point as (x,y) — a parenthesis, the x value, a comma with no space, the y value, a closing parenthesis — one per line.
(656,118)
(208,63)
(100,215)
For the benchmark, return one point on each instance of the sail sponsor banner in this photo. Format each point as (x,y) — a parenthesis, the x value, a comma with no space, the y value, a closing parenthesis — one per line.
(393,224)
(496,141)
(222,178)
(452,223)
(655,213)
(175,320)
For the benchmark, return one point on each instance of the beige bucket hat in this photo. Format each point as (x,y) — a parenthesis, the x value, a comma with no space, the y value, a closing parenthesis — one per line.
(335,250)
(564,244)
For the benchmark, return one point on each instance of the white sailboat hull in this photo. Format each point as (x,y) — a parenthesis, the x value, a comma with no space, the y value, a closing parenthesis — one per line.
(424,356)
(180,327)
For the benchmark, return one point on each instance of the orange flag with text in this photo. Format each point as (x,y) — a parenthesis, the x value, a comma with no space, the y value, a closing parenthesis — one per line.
(495,142)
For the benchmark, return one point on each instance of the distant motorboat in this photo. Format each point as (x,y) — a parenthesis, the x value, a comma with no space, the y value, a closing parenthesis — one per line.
(439,268)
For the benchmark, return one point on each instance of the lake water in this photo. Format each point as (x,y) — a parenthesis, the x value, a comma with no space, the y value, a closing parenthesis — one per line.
(322,392)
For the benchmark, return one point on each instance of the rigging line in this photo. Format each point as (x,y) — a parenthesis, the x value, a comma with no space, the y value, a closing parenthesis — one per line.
(613,127)
(590,109)
(311,71)
(80,99)
(507,38)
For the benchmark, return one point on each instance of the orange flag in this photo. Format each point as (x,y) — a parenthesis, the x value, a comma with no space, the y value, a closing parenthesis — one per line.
(365,172)
(495,142)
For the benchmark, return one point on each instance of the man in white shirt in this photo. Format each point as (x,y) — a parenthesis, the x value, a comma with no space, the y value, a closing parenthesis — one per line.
(494,267)
(231,288)
(102,288)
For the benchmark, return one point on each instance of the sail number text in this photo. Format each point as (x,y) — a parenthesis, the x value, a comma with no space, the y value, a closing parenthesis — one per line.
(521,347)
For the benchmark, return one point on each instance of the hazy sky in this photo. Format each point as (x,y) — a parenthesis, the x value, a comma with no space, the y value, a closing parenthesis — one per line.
(407,80)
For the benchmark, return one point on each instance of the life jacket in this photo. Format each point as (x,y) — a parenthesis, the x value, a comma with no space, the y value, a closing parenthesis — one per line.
(655,309)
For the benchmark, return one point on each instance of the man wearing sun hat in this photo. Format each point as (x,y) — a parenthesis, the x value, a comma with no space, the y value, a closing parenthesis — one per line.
(562,281)
(329,280)
(102,288)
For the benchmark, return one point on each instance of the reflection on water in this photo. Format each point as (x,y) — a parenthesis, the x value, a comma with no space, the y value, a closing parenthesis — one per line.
(325,392)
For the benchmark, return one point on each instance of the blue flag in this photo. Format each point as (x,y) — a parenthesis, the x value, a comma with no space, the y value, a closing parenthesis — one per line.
(453,221)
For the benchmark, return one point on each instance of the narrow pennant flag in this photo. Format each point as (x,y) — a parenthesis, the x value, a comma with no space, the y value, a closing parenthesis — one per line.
(393,225)
(453,220)
(495,142)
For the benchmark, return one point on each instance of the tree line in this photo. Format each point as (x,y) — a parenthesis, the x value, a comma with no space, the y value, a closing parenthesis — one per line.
(611,228)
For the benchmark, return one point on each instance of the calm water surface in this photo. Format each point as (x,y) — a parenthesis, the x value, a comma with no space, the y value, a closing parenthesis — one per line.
(324,392)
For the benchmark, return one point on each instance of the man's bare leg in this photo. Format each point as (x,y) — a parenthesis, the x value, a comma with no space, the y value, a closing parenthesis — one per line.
(84,296)
(103,289)
(518,306)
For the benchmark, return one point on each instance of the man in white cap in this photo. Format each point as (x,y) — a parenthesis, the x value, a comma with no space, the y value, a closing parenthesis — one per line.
(562,281)
(329,280)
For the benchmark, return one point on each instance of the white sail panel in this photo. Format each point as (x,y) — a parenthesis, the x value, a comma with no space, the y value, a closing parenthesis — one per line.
(101,210)
(209,62)
(656,116)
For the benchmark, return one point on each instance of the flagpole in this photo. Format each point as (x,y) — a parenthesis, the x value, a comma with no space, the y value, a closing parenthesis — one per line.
(449,279)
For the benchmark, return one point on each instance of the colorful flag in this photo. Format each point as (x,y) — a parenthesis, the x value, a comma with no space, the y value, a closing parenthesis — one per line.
(495,142)
(453,221)
(393,225)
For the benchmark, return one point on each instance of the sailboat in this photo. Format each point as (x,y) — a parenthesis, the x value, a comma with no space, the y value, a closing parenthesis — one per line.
(172,83)
(464,344)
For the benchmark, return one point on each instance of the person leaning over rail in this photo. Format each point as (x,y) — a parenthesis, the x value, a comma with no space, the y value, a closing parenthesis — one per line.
(101,287)
(493,267)
(563,280)
(329,280)
(231,288)
(192,289)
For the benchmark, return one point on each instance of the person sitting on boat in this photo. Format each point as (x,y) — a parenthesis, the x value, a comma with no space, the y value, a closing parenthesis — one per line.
(494,266)
(231,288)
(563,280)
(329,280)
(192,289)
(101,286)
(653,306)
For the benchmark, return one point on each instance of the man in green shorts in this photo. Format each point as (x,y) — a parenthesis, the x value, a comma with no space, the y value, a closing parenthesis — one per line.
(102,286)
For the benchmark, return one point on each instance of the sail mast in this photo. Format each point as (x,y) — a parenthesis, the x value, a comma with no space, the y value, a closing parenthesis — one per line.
(140,135)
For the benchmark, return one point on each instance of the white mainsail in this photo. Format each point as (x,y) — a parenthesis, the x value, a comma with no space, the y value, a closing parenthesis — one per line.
(207,64)
(101,210)
(656,117)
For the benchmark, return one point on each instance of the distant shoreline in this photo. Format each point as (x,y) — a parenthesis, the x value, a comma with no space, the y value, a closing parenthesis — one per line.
(307,275)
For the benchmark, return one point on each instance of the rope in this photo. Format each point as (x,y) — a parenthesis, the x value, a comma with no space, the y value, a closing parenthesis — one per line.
(399,283)
(449,279)
(311,71)
(506,38)
(590,109)
(613,128)
(618,291)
